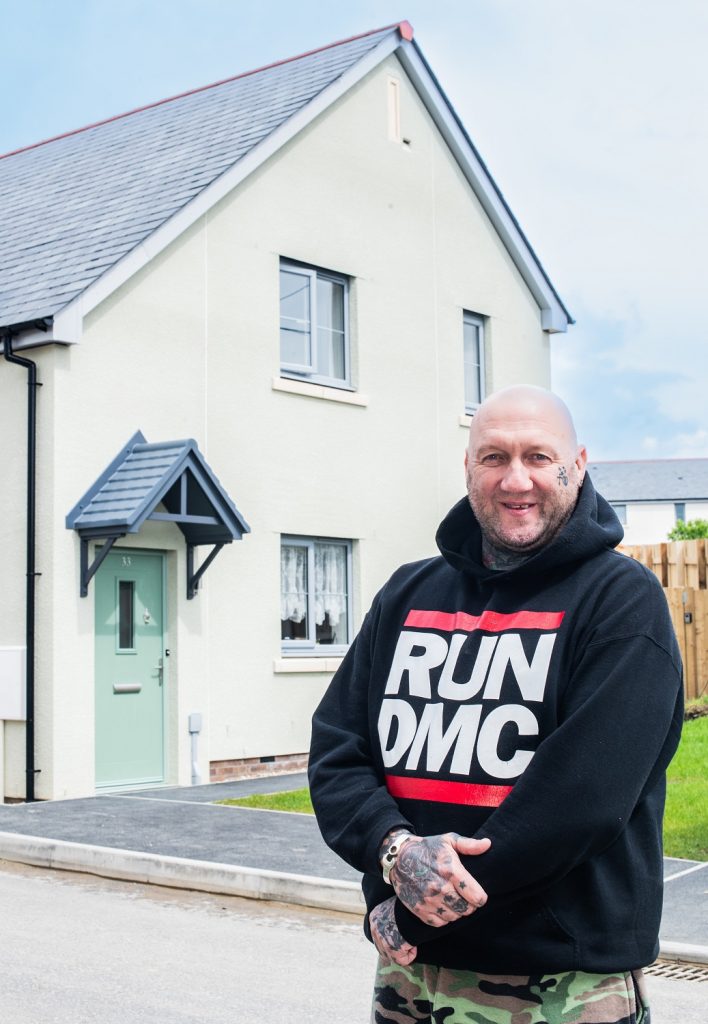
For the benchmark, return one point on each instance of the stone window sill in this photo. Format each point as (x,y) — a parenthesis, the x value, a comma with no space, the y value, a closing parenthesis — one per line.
(309,390)
(306,665)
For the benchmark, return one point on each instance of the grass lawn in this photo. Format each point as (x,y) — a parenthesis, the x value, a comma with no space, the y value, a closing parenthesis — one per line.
(685,823)
(686,820)
(292,800)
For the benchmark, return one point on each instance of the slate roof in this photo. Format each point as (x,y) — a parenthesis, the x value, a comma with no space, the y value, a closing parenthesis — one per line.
(76,212)
(145,475)
(651,480)
(73,206)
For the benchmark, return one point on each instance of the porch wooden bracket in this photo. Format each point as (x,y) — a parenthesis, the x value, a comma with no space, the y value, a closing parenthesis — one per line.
(89,571)
(193,577)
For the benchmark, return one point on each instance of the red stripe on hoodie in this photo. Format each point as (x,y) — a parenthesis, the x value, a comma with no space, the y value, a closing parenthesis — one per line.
(492,622)
(465,793)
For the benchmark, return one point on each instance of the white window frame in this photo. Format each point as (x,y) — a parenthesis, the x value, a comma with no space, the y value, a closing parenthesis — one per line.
(477,321)
(309,371)
(309,647)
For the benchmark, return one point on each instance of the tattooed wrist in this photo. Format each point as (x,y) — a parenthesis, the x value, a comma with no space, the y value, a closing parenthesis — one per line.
(394,833)
(390,854)
(386,925)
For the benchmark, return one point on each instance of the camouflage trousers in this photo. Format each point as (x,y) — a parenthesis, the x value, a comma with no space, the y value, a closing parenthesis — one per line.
(421,994)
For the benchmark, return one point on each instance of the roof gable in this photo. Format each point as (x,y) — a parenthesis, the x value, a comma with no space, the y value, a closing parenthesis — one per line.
(83,212)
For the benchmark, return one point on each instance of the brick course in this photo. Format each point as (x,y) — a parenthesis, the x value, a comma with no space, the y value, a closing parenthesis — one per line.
(256,767)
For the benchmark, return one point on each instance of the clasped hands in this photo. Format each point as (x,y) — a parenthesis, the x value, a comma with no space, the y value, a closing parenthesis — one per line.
(429,879)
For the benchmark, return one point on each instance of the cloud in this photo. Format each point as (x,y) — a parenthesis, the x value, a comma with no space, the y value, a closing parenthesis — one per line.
(627,403)
(591,118)
(692,445)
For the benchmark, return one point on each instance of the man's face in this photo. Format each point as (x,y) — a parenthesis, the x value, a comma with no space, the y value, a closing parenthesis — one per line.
(523,475)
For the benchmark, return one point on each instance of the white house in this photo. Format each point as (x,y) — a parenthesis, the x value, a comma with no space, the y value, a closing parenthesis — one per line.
(262,312)
(651,495)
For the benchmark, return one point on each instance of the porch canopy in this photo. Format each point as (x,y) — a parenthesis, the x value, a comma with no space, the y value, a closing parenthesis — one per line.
(143,476)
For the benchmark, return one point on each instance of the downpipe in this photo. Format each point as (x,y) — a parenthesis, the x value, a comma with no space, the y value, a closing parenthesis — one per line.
(32,574)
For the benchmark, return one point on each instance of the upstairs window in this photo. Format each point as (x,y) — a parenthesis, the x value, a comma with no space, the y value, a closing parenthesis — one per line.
(680,511)
(315,595)
(473,346)
(314,341)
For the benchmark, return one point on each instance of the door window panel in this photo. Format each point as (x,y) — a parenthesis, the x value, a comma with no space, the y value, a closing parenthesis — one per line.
(126,615)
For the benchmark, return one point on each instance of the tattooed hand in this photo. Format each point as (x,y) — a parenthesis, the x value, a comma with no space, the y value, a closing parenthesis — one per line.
(391,945)
(430,880)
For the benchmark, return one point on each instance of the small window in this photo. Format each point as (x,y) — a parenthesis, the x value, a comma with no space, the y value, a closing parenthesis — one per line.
(473,342)
(620,512)
(314,342)
(680,511)
(315,595)
(126,619)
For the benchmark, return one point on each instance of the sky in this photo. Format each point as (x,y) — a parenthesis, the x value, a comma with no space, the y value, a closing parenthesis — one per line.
(590,114)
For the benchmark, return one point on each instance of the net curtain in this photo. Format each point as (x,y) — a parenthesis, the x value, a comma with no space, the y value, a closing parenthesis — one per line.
(330,592)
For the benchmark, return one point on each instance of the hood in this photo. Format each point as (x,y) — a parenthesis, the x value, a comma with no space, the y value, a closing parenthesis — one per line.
(592,528)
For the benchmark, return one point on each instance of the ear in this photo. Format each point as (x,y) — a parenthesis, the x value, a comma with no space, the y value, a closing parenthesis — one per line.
(581,461)
(466,457)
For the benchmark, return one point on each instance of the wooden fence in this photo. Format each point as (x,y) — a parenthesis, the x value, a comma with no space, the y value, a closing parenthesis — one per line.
(680,567)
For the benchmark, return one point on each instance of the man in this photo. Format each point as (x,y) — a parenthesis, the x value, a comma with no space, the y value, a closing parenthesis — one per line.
(492,751)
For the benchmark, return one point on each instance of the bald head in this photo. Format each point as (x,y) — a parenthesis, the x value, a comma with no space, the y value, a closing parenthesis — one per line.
(524,406)
(524,468)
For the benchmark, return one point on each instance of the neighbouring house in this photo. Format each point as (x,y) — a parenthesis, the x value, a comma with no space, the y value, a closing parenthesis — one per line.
(651,495)
(262,311)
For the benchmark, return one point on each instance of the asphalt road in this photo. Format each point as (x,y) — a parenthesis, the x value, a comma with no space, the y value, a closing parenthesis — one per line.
(82,950)
(79,950)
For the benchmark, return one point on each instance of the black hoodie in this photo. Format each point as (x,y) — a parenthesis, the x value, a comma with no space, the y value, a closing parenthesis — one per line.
(538,706)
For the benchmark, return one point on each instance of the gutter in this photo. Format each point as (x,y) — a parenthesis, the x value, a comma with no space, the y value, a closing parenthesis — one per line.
(32,385)
(59,329)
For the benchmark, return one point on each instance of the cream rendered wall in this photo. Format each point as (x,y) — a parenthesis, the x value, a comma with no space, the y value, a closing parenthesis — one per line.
(650,522)
(189,347)
(402,222)
(696,510)
(140,365)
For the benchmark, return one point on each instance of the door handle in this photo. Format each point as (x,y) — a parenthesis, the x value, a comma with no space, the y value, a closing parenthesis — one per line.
(159,669)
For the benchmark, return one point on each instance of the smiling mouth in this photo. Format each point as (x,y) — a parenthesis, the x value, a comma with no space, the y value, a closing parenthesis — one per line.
(518,506)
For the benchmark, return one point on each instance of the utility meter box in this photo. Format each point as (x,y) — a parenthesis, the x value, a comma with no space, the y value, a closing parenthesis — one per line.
(12,683)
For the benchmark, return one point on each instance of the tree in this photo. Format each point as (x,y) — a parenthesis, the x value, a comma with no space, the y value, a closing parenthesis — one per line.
(694,529)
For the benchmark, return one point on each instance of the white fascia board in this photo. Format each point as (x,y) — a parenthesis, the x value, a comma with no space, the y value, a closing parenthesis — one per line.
(554,317)
(71,317)
(68,325)
(33,337)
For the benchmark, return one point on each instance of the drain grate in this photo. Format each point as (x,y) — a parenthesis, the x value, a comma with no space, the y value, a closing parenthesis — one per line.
(678,971)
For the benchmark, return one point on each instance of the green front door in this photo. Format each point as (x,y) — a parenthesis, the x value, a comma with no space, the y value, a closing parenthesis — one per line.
(130,669)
